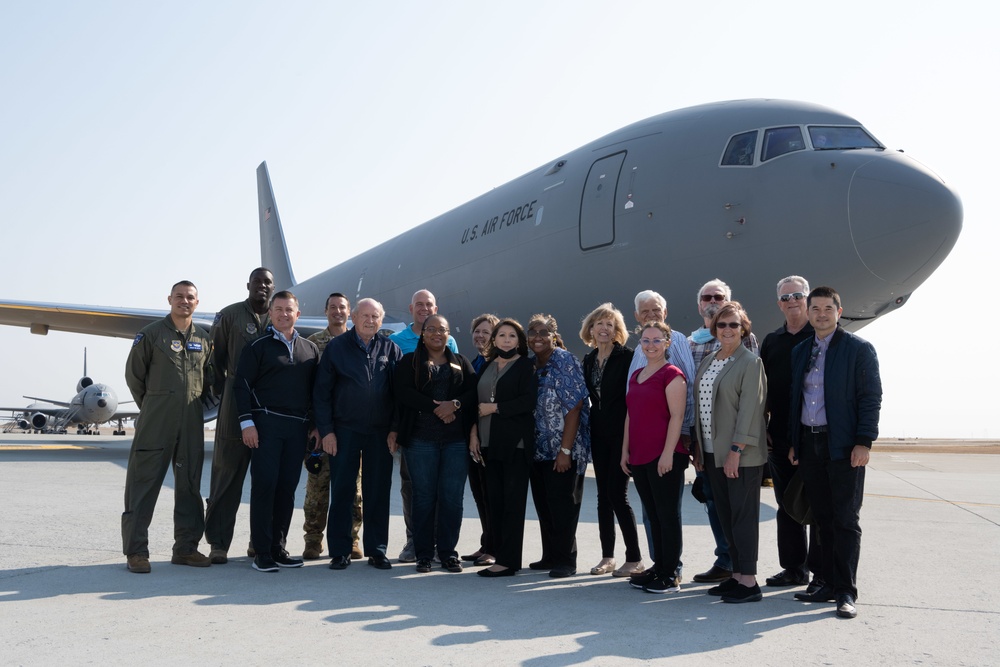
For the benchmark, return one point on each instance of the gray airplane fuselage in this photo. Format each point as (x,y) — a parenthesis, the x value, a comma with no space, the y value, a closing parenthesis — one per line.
(651,207)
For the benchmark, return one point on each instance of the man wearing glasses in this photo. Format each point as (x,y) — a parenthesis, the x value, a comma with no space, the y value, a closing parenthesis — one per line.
(796,559)
(711,296)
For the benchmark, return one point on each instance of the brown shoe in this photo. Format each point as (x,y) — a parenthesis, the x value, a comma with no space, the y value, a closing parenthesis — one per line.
(356,552)
(218,556)
(312,551)
(138,563)
(194,559)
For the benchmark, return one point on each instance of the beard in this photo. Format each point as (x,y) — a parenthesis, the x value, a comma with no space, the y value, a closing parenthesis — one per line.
(708,311)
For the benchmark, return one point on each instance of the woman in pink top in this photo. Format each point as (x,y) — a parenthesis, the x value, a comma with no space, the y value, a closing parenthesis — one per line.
(653,454)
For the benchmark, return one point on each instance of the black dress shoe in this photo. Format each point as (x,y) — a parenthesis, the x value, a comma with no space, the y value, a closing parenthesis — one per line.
(845,606)
(743,593)
(472,557)
(714,575)
(562,572)
(509,572)
(727,586)
(485,560)
(540,565)
(788,578)
(815,585)
(824,594)
(380,562)
(340,562)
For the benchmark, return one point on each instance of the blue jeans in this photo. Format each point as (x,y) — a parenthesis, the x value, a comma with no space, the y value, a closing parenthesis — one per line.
(437,471)
(722,558)
(376,482)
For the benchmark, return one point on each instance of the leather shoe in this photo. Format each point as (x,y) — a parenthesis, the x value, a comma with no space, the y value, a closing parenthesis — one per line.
(714,575)
(340,562)
(824,594)
(509,572)
(562,572)
(485,560)
(471,558)
(379,562)
(788,578)
(540,565)
(814,585)
(845,606)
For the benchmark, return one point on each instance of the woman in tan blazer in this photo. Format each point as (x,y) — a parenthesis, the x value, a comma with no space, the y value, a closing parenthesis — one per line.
(730,391)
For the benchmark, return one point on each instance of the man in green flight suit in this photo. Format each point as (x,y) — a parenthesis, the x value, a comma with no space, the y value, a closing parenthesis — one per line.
(234,327)
(168,370)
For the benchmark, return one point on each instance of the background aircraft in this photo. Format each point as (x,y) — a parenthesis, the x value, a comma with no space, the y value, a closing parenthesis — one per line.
(748,189)
(94,404)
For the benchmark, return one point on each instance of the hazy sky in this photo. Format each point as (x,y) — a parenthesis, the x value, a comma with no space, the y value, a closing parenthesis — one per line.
(131,133)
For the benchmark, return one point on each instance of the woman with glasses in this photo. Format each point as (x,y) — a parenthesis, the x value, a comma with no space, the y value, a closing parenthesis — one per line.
(503,441)
(605,370)
(731,389)
(435,391)
(562,446)
(655,456)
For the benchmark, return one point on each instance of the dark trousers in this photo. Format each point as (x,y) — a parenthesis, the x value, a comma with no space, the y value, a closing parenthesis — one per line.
(738,504)
(557,497)
(437,472)
(477,483)
(507,488)
(834,490)
(661,500)
(230,461)
(722,558)
(275,469)
(793,553)
(612,501)
(353,448)
(406,493)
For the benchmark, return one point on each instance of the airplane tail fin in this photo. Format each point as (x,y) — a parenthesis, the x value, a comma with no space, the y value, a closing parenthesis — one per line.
(273,251)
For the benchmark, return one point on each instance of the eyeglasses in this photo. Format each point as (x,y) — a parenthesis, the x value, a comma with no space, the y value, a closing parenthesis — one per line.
(713,297)
(798,296)
(653,341)
(727,325)
(435,330)
(539,333)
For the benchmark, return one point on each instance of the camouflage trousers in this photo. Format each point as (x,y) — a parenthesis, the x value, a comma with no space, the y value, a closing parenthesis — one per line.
(317,504)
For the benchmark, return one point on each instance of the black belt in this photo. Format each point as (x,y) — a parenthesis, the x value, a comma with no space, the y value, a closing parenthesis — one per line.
(806,428)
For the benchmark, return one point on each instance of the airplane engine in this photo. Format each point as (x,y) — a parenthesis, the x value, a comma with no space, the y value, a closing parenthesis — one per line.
(83,384)
(24,424)
(39,421)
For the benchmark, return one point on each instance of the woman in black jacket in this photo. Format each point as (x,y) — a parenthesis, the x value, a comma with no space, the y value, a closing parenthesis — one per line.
(605,369)
(504,440)
(435,391)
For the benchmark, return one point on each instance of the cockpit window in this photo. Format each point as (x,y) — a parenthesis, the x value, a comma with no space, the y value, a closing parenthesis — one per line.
(740,150)
(781,140)
(825,138)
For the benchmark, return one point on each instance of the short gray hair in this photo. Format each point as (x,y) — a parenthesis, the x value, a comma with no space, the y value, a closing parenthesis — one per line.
(794,279)
(716,283)
(646,295)
(368,300)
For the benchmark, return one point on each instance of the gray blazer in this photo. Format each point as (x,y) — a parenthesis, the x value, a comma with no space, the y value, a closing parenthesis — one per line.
(738,397)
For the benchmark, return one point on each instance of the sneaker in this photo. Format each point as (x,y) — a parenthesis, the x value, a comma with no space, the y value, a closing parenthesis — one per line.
(312,551)
(138,563)
(194,559)
(408,554)
(725,587)
(661,585)
(264,563)
(743,594)
(640,580)
(424,565)
(218,556)
(284,560)
(452,564)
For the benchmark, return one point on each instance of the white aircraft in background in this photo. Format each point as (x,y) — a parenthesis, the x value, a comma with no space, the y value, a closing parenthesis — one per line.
(93,405)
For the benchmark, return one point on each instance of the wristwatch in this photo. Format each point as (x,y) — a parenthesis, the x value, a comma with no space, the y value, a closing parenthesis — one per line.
(565,451)
(736,449)
(457,403)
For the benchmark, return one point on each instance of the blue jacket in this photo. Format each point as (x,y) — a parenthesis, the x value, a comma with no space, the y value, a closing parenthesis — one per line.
(353,387)
(852,391)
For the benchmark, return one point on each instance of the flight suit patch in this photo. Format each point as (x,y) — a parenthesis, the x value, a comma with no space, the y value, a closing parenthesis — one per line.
(251,328)
(194,347)
(138,339)
(176,345)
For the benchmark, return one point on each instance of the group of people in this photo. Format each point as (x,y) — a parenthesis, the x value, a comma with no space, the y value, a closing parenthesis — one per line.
(523,413)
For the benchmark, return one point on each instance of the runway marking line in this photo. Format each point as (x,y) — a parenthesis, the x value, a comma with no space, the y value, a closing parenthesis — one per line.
(931,500)
(30,448)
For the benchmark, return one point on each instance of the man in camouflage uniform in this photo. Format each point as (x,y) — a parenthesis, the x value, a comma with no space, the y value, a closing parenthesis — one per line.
(318,485)
(234,327)
(168,370)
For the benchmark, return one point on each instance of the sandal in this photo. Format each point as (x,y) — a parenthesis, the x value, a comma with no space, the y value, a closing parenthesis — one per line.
(606,566)
(630,568)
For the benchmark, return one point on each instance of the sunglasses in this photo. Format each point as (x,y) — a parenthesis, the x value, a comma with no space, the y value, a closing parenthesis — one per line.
(713,297)
(727,325)
(798,296)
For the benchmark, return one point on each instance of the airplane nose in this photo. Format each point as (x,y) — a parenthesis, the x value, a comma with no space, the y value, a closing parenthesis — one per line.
(101,403)
(904,220)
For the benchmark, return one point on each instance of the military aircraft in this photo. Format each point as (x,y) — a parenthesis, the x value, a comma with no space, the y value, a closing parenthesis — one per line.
(747,191)
(93,405)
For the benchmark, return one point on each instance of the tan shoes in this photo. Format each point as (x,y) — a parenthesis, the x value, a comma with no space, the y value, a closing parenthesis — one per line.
(629,568)
(138,563)
(606,566)
(312,551)
(194,559)
(218,556)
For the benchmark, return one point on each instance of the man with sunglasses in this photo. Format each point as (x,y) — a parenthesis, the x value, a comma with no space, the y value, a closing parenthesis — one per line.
(711,296)
(796,559)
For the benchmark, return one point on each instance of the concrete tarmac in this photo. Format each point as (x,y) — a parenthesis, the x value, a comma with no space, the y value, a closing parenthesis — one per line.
(928,582)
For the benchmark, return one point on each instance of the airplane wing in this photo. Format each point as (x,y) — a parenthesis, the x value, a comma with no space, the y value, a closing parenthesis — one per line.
(45,400)
(94,320)
(50,411)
